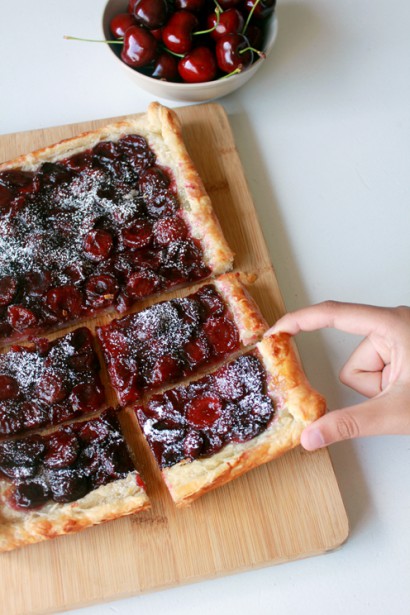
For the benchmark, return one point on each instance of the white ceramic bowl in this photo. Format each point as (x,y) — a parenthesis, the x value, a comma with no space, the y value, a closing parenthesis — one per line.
(190,92)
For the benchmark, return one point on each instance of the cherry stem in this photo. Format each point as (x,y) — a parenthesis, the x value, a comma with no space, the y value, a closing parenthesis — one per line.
(250,16)
(218,6)
(93,40)
(259,53)
(218,16)
(234,72)
(173,53)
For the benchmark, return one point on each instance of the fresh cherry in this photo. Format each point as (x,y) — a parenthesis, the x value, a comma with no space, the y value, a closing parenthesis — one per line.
(151,14)
(178,31)
(198,65)
(140,47)
(120,23)
(261,8)
(233,53)
(166,68)
(229,22)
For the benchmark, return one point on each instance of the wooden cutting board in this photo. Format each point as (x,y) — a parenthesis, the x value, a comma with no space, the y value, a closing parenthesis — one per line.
(288,509)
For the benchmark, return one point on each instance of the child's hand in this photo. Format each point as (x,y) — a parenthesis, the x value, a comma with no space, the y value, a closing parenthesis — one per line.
(379,368)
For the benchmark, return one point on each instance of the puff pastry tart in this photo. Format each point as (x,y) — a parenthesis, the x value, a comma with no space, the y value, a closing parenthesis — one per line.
(50,382)
(65,481)
(172,339)
(244,414)
(101,221)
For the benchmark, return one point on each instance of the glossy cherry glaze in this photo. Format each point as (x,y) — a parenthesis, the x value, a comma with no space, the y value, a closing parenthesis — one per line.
(100,229)
(65,465)
(48,383)
(167,342)
(198,420)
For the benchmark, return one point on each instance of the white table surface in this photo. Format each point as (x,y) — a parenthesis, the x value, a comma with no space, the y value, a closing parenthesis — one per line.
(323,132)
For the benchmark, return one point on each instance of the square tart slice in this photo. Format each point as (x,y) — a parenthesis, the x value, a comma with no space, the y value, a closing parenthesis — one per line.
(100,221)
(236,418)
(49,382)
(172,339)
(66,480)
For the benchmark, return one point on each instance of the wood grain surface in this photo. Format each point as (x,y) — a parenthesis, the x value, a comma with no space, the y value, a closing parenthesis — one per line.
(288,509)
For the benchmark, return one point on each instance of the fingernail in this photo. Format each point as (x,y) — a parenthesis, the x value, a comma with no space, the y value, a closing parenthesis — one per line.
(312,439)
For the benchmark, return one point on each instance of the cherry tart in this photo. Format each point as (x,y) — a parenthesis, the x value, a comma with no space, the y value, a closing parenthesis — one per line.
(172,339)
(49,382)
(74,477)
(101,221)
(244,414)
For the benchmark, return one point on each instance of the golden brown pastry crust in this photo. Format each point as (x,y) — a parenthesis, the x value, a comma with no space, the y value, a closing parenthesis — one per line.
(297,405)
(108,502)
(162,130)
(248,318)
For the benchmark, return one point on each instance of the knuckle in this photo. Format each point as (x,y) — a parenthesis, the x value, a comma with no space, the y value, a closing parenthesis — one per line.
(347,426)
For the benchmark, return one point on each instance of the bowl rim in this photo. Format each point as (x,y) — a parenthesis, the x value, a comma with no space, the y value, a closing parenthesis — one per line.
(173,85)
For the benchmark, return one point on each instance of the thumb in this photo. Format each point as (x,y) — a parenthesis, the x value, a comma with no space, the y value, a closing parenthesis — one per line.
(388,413)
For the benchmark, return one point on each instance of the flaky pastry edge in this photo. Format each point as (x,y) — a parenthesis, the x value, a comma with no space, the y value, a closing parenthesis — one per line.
(108,502)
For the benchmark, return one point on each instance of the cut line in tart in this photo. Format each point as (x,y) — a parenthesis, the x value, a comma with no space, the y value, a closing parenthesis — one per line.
(173,339)
(244,414)
(49,382)
(101,221)
(66,480)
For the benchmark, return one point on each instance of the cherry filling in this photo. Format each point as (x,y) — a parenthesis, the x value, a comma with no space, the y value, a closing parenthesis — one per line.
(167,341)
(65,465)
(49,383)
(99,229)
(198,420)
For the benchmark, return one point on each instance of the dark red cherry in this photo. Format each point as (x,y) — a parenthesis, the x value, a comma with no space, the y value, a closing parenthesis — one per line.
(151,14)
(37,283)
(65,301)
(61,450)
(233,53)
(30,494)
(166,68)
(169,229)
(165,369)
(153,179)
(98,244)
(138,235)
(51,388)
(263,8)
(222,334)
(230,22)
(255,36)
(142,284)
(8,289)
(189,5)
(101,290)
(204,411)
(9,388)
(193,444)
(198,66)
(120,23)
(139,48)
(21,318)
(87,397)
(177,33)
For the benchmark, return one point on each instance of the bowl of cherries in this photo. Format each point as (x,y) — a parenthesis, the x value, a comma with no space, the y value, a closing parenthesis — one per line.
(190,50)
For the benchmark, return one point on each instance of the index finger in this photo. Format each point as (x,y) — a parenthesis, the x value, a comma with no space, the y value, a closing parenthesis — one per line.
(353,318)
